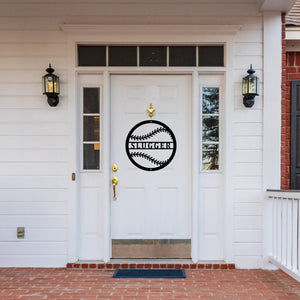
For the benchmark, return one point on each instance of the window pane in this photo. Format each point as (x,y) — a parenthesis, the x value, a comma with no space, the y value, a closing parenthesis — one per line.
(122,55)
(210,157)
(91,100)
(210,129)
(182,56)
(91,129)
(211,56)
(210,101)
(153,56)
(91,156)
(91,55)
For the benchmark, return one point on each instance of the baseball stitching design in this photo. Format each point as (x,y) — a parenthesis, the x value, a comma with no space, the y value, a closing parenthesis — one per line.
(149,135)
(148,157)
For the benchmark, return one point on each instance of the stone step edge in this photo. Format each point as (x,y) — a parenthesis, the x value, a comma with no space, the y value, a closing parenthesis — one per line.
(113,266)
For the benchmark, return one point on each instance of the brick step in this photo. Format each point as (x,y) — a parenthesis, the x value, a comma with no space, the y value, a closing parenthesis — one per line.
(186,266)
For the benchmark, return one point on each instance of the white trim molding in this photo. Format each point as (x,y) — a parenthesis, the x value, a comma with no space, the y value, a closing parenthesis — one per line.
(148,34)
(148,29)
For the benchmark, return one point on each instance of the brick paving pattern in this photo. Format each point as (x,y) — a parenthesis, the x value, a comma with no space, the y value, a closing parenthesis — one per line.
(30,283)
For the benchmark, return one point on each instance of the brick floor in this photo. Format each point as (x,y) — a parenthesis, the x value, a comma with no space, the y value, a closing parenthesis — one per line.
(26,283)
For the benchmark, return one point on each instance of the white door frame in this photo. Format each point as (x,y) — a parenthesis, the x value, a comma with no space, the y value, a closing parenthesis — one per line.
(138,35)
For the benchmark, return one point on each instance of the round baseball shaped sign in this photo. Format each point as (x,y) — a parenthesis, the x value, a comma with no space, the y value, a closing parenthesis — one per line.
(150,145)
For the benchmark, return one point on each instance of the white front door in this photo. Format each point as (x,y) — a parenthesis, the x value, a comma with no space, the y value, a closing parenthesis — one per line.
(153,195)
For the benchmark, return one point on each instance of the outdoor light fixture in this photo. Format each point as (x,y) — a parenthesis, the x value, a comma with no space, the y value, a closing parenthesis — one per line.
(51,86)
(250,87)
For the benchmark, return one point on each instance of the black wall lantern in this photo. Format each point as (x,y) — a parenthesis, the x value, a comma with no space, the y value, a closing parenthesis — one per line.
(250,87)
(51,87)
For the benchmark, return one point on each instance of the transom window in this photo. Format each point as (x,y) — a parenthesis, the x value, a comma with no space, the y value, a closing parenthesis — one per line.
(154,55)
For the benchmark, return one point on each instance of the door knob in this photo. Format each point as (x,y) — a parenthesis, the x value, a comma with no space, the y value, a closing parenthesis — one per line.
(114,182)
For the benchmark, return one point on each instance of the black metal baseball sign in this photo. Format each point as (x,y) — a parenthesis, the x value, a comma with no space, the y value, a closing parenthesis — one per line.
(150,145)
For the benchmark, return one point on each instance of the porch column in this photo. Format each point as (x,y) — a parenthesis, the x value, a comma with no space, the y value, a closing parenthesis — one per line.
(271,116)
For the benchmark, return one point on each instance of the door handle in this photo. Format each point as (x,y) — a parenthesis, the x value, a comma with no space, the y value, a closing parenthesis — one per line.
(114,182)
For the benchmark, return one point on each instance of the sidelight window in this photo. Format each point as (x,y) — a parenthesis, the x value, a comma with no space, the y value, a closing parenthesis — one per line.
(91,128)
(210,128)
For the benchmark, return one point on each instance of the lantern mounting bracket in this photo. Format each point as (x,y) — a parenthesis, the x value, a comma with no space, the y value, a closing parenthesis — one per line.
(52,100)
(248,100)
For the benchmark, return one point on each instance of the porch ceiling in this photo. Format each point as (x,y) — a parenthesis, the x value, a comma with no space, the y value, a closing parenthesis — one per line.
(132,12)
(264,5)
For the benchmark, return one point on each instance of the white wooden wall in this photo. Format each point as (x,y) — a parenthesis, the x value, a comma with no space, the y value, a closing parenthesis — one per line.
(35,169)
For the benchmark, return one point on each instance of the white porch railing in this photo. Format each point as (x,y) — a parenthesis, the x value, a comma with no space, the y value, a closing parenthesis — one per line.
(285,254)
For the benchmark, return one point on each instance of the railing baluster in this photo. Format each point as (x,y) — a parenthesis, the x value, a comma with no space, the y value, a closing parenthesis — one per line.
(281,230)
(292,234)
(296,234)
(284,231)
(278,229)
(289,231)
(298,238)
(274,222)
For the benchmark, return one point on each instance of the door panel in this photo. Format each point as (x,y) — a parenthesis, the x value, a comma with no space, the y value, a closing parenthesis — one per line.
(151,204)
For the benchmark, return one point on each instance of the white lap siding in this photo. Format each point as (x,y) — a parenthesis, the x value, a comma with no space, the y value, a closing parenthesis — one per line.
(35,173)
(34,147)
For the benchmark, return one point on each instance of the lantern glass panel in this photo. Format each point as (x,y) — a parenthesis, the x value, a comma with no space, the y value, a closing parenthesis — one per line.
(252,85)
(44,85)
(56,84)
(245,85)
(49,84)
(256,85)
